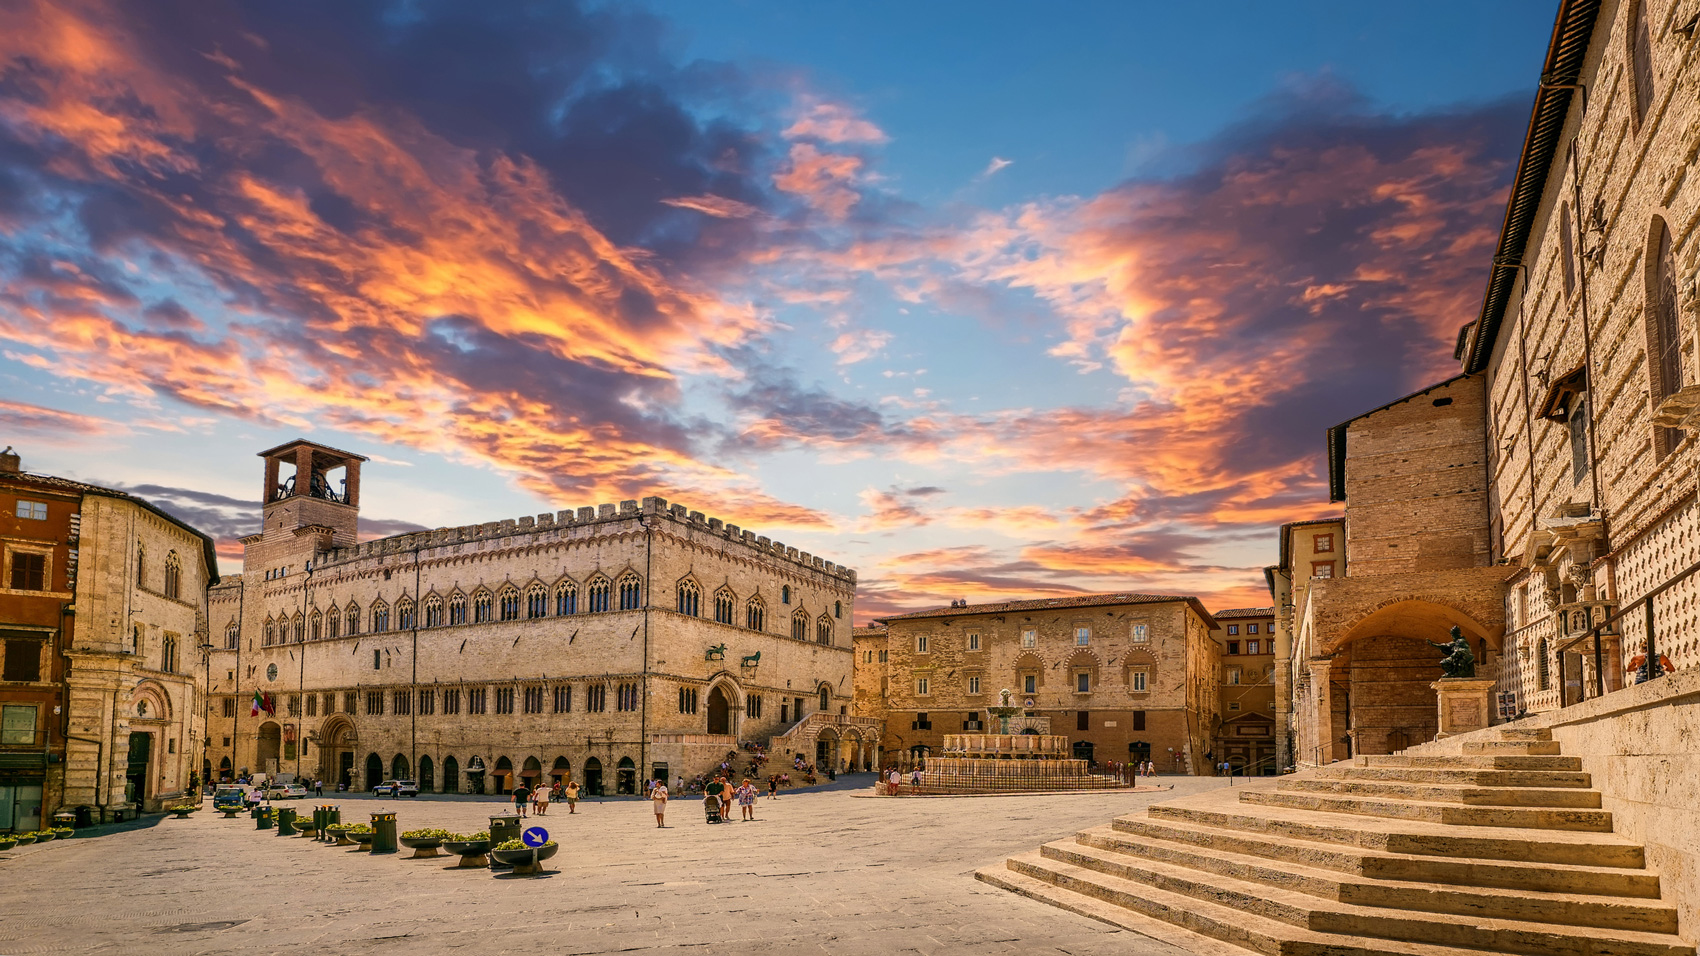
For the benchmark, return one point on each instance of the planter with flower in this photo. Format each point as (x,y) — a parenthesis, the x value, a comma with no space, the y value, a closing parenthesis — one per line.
(44,836)
(24,839)
(64,833)
(182,810)
(424,842)
(471,848)
(361,833)
(7,841)
(524,859)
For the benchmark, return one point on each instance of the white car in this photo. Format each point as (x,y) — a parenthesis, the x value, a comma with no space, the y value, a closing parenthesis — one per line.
(285,791)
(396,788)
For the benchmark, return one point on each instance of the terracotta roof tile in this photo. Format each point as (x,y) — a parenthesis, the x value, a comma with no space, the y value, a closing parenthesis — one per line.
(1046,604)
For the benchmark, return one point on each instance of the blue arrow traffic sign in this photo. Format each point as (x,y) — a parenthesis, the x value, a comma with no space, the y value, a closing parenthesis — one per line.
(534,836)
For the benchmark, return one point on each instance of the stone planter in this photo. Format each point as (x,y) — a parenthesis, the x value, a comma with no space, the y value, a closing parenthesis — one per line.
(44,836)
(423,848)
(64,833)
(6,843)
(25,839)
(230,812)
(364,839)
(522,861)
(181,814)
(472,853)
(307,825)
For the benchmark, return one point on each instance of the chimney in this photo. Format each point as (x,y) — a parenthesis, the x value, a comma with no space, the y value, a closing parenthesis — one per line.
(10,463)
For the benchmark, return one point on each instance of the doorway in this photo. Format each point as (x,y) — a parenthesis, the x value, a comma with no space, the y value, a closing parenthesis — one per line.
(136,772)
(20,806)
(345,770)
(270,747)
(593,777)
(1083,751)
(374,770)
(626,781)
(719,712)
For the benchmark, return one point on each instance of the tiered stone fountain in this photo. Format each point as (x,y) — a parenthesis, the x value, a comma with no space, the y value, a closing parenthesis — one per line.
(1008,763)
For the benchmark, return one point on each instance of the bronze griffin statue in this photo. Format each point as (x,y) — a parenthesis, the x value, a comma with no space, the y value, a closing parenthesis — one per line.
(1459,661)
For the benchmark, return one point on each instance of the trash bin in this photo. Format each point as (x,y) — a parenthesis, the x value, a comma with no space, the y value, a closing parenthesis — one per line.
(85,816)
(285,822)
(64,818)
(264,820)
(503,828)
(383,833)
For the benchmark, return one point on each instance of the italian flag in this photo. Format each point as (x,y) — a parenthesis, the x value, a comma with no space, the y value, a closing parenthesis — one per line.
(254,711)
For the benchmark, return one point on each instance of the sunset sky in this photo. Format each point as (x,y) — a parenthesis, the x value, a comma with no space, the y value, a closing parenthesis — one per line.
(985,300)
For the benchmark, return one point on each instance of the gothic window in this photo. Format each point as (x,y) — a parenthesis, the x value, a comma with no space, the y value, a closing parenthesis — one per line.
(724,602)
(566,598)
(690,598)
(433,611)
(316,626)
(333,623)
(823,630)
(173,576)
(1664,334)
(626,697)
(825,699)
(298,628)
(534,700)
(510,603)
(630,592)
(785,594)
(838,609)
(537,601)
(755,614)
(270,633)
(800,625)
(141,565)
(687,700)
(504,700)
(599,588)
(481,603)
(1641,62)
(232,635)
(380,618)
(404,615)
(563,698)
(457,608)
(596,698)
(351,620)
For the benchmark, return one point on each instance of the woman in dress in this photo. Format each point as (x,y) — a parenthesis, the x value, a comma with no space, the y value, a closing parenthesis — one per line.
(658,797)
(747,799)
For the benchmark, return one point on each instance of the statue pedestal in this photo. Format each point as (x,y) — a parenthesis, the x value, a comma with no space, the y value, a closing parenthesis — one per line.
(1463,704)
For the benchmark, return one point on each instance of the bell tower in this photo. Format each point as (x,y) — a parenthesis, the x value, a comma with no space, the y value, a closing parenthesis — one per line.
(311,498)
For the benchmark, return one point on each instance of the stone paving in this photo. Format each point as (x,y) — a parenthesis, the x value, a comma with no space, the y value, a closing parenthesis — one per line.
(826,871)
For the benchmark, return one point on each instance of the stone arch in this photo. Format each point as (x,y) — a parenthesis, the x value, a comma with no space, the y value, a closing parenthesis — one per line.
(374,771)
(427,774)
(502,775)
(593,777)
(626,776)
(561,770)
(1084,659)
(451,774)
(399,767)
(1029,664)
(723,691)
(151,701)
(532,771)
(825,753)
(337,740)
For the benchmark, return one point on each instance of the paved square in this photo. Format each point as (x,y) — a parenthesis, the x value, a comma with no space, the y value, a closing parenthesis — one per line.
(819,872)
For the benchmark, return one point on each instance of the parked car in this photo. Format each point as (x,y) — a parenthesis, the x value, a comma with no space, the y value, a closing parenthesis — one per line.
(397,788)
(230,795)
(288,791)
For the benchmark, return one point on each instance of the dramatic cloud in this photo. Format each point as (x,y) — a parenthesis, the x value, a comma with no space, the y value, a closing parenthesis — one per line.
(50,422)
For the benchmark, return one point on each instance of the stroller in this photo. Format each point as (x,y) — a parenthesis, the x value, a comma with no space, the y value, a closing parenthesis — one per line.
(711,806)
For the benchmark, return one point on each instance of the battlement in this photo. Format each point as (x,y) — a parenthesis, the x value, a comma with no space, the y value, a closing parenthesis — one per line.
(627,510)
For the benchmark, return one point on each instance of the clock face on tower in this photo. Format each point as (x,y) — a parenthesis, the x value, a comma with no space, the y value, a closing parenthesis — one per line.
(271,672)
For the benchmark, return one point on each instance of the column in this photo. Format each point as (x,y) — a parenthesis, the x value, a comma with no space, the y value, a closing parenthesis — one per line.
(1322,713)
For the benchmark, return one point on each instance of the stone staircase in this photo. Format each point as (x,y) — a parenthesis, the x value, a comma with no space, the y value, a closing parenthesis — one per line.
(1503,849)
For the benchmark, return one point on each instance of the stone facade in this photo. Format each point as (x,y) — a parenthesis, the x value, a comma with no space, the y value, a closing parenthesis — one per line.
(1245,738)
(606,644)
(1140,682)
(113,626)
(1309,550)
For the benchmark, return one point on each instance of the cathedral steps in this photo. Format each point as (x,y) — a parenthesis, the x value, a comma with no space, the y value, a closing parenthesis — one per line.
(1363,859)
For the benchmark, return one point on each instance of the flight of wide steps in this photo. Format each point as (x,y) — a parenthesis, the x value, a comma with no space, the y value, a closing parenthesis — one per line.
(1501,850)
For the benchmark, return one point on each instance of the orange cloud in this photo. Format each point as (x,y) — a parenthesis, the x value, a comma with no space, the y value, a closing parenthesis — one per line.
(834,123)
(825,181)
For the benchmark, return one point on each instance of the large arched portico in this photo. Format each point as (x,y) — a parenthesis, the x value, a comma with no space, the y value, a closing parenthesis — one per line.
(1374,690)
(719,711)
(337,741)
(269,747)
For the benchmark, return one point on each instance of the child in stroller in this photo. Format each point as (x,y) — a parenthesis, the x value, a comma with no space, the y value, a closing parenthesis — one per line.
(711,807)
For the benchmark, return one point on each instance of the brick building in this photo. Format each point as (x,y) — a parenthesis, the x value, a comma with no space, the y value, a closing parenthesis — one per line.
(1314,549)
(606,644)
(102,616)
(1125,676)
(1245,737)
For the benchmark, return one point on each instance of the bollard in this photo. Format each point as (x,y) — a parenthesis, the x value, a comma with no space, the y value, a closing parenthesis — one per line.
(264,820)
(383,836)
(503,827)
(285,821)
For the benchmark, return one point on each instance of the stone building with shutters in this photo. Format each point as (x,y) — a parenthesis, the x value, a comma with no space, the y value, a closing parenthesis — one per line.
(1127,677)
(607,644)
(1245,736)
(103,619)
(1544,500)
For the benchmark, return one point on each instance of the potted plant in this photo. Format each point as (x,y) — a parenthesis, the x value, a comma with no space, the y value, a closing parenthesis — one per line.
(64,833)
(361,833)
(424,842)
(524,859)
(25,839)
(44,836)
(471,847)
(7,841)
(182,810)
(340,832)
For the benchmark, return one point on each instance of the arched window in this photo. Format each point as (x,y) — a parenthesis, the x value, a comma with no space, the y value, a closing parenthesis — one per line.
(825,699)
(785,594)
(1664,332)
(404,614)
(823,630)
(1640,61)
(457,608)
(380,618)
(724,602)
(800,625)
(1543,676)
(631,594)
(599,589)
(838,609)
(690,598)
(270,633)
(173,576)
(566,598)
(433,611)
(510,603)
(316,626)
(537,601)
(351,620)
(141,565)
(481,605)
(333,623)
(232,636)
(755,614)
(298,628)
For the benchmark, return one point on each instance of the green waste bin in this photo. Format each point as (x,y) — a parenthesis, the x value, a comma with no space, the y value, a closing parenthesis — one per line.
(383,832)
(503,827)
(263,819)
(286,822)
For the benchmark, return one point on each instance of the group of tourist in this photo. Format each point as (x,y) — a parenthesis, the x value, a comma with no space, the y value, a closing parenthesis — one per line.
(540,797)
(717,798)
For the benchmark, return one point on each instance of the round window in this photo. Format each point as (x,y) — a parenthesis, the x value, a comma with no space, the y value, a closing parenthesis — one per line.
(271,672)
(141,708)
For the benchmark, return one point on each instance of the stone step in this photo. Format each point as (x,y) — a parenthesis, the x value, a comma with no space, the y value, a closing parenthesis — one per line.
(1529,747)
(1381,865)
(1416,837)
(1541,906)
(1522,733)
(1474,796)
(1209,929)
(1473,761)
(1541,818)
(1109,875)
(1484,778)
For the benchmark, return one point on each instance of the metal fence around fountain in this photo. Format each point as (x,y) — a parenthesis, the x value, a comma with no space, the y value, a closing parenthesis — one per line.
(1013,777)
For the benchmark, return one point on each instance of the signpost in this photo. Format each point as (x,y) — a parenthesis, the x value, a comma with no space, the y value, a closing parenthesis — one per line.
(534,837)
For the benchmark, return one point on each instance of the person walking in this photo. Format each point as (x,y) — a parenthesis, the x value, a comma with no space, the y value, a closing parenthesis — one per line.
(318,787)
(772,786)
(570,791)
(895,779)
(725,797)
(521,795)
(747,799)
(540,801)
(658,798)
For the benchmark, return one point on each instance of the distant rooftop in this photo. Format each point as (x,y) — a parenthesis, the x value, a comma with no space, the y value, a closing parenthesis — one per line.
(1047,604)
(1239,612)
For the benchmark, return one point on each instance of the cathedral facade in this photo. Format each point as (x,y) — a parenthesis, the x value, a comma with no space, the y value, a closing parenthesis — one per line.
(606,644)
